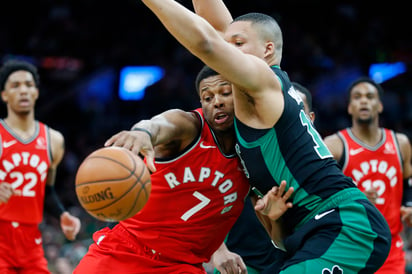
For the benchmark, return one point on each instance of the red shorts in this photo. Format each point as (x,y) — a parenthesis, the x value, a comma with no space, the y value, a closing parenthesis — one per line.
(396,262)
(115,251)
(21,249)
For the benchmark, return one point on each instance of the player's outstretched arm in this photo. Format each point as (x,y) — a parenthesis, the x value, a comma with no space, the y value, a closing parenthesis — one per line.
(170,132)
(202,40)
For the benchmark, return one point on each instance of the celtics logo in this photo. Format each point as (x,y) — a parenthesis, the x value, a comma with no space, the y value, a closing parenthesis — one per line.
(335,270)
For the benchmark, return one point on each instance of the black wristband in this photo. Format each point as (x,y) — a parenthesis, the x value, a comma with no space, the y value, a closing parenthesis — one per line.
(52,204)
(144,130)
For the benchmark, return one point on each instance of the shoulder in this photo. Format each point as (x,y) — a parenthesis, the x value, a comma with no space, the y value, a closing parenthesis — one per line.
(402,138)
(404,143)
(56,145)
(56,137)
(405,148)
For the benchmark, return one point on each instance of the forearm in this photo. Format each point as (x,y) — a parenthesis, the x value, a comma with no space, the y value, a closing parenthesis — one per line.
(192,31)
(52,203)
(165,127)
(273,228)
(148,127)
(215,12)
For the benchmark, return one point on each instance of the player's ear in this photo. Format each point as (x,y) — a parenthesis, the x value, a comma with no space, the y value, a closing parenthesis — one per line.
(269,48)
(349,109)
(380,107)
(37,93)
(4,96)
(312,116)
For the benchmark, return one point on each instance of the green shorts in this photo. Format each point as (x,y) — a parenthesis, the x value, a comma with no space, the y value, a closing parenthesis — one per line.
(347,234)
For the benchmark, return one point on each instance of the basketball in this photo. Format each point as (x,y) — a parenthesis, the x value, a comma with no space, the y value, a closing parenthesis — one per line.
(112,184)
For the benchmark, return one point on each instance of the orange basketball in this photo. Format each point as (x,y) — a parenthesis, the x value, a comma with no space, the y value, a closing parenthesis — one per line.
(112,184)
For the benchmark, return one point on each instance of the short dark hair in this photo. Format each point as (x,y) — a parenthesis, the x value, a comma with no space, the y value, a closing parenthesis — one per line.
(304,90)
(269,29)
(364,79)
(13,65)
(205,72)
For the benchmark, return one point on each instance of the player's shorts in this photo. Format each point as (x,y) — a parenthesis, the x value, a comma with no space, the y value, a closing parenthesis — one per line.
(396,261)
(347,234)
(21,249)
(117,251)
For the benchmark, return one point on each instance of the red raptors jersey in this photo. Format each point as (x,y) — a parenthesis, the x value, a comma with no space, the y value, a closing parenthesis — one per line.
(194,201)
(24,164)
(379,166)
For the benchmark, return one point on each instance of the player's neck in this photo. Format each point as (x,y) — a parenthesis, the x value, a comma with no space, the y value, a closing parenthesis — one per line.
(22,125)
(226,142)
(369,134)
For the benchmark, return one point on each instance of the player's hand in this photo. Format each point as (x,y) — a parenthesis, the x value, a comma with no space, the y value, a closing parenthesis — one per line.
(136,141)
(70,225)
(228,262)
(406,215)
(371,194)
(274,204)
(6,191)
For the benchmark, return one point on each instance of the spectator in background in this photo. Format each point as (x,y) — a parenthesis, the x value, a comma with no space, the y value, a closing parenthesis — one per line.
(30,154)
(379,162)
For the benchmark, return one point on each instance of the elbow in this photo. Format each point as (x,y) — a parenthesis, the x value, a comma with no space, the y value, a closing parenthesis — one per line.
(204,47)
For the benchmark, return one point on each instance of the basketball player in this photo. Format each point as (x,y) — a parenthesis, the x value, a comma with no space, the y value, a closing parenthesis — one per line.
(276,140)
(247,241)
(30,152)
(379,162)
(198,189)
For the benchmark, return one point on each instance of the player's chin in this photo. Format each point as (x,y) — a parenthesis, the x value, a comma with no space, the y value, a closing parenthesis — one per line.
(223,127)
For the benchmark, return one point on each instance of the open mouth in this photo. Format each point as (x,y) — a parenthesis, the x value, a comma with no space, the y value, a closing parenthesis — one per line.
(364,110)
(220,118)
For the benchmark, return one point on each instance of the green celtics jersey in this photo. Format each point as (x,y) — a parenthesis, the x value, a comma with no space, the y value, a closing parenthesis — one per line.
(291,150)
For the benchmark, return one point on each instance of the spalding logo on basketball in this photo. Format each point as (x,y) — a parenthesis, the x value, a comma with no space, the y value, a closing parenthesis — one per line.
(112,184)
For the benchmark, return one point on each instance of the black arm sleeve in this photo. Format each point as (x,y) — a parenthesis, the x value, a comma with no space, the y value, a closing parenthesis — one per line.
(407,192)
(52,204)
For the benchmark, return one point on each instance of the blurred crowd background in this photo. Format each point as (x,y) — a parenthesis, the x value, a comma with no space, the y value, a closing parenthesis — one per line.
(80,46)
